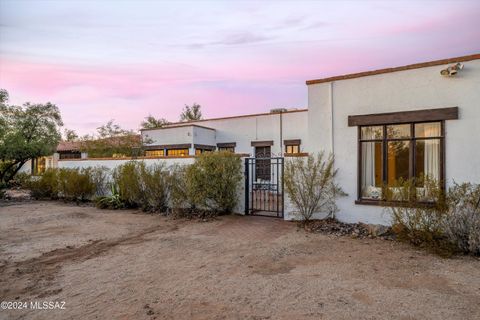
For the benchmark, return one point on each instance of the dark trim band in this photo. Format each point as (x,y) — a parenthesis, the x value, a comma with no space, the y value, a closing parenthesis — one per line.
(262,143)
(168,146)
(226,144)
(292,142)
(203,146)
(404,117)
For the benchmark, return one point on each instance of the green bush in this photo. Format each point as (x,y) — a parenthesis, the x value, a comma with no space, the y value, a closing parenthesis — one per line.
(143,186)
(44,186)
(213,181)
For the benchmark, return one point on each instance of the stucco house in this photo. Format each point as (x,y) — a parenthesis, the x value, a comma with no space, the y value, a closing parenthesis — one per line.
(381,125)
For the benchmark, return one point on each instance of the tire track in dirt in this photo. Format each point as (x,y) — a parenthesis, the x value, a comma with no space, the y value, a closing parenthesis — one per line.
(36,276)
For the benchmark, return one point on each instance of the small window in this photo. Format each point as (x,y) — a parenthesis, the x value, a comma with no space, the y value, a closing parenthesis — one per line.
(69,155)
(292,149)
(177,152)
(155,153)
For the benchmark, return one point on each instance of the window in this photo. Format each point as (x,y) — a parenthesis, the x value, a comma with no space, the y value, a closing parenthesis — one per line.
(226,149)
(177,152)
(389,153)
(155,153)
(70,155)
(38,166)
(292,149)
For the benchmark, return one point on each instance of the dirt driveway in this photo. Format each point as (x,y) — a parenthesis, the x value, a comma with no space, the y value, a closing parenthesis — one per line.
(128,265)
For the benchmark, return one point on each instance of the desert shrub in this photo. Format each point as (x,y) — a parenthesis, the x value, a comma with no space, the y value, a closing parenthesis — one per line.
(419,215)
(310,184)
(99,176)
(155,178)
(420,223)
(462,224)
(20,180)
(44,186)
(111,201)
(143,186)
(69,184)
(181,204)
(126,181)
(75,184)
(213,182)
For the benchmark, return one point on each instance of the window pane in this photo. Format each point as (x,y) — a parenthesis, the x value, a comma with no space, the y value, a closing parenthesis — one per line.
(372,133)
(428,159)
(177,152)
(427,162)
(154,153)
(398,131)
(292,149)
(397,161)
(371,174)
(432,129)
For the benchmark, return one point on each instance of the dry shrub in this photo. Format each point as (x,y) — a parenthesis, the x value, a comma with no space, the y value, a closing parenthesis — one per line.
(44,186)
(20,180)
(462,225)
(213,182)
(75,185)
(142,186)
(420,223)
(181,204)
(69,184)
(310,184)
(155,178)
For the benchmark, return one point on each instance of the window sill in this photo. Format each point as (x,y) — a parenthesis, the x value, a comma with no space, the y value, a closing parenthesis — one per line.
(380,203)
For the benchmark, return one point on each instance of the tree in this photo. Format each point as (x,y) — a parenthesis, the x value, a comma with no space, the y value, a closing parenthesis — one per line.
(111,140)
(191,113)
(70,135)
(26,132)
(310,184)
(152,123)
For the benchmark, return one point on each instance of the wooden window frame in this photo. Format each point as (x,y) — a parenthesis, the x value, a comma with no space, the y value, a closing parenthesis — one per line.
(412,156)
(292,146)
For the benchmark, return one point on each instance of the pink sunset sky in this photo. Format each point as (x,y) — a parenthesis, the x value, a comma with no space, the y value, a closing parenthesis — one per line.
(122,60)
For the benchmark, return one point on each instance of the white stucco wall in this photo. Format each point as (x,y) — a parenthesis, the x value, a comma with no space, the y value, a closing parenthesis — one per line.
(112,164)
(169,135)
(415,89)
(204,136)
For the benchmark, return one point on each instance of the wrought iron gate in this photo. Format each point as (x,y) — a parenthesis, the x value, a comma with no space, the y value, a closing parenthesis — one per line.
(264,186)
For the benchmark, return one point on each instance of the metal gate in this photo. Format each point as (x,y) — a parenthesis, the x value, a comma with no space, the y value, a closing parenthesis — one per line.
(264,186)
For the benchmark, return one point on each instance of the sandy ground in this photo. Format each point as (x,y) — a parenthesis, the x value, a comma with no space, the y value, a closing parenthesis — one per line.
(128,265)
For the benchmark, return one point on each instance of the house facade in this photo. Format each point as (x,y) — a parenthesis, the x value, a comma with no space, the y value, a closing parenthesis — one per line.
(276,133)
(411,121)
(420,120)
